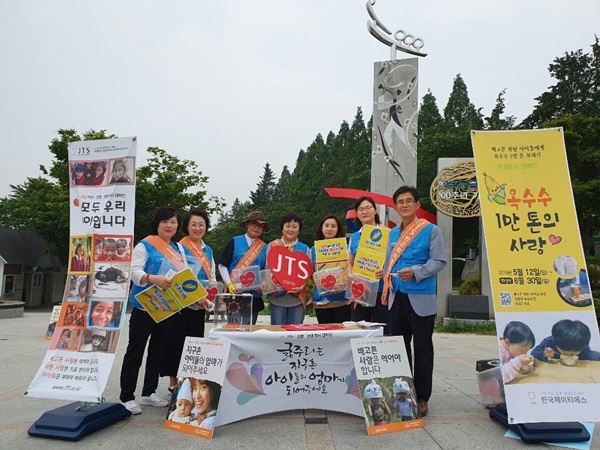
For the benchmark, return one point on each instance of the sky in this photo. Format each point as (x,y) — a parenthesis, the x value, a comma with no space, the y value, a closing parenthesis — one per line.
(234,84)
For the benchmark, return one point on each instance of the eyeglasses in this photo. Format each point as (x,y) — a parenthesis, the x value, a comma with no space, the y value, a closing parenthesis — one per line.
(408,202)
(365,209)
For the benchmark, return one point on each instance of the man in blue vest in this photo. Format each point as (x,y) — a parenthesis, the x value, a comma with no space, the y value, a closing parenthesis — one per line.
(417,254)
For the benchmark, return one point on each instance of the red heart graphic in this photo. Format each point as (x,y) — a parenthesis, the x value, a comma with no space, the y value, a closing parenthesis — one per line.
(291,269)
(247,279)
(76,202)
(358,289)
(554,239)
(274,281)
(212,292)
(328,282)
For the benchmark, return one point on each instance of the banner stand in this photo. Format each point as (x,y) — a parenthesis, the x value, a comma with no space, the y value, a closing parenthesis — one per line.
(76,420)
(532,433)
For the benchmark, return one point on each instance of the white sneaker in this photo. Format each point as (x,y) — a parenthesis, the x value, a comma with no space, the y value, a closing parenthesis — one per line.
(132,406)
(154,400)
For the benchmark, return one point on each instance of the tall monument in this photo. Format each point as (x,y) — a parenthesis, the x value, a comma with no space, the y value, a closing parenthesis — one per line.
(395,109)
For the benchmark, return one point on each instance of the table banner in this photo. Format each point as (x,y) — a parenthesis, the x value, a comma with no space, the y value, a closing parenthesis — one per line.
(77,364)
(271,371)
(548,335)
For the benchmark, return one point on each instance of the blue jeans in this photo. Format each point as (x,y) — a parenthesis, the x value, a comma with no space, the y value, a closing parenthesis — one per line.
(286,315)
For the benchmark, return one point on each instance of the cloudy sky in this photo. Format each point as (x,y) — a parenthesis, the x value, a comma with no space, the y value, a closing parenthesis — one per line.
(233,84)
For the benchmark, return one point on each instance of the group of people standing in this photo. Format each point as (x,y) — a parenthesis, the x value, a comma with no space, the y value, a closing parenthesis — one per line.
(406,300)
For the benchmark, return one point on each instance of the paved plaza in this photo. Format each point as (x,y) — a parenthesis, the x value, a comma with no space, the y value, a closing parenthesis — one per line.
(456,420)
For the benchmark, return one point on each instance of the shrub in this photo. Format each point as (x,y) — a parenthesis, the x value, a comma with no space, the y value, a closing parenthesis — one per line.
(472,286)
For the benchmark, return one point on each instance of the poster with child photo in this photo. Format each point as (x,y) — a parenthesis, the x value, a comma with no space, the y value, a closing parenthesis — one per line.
(195,402)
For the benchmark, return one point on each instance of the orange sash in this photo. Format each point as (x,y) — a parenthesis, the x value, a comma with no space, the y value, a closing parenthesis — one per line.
(167,251)
(251,254)
(302,294)
(407,236)
(198,253)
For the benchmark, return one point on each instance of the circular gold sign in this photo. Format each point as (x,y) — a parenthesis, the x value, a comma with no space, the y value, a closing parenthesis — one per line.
(454,191)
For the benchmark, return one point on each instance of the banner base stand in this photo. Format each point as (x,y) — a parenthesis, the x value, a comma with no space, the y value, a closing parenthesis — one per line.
(76,420)
(532,433)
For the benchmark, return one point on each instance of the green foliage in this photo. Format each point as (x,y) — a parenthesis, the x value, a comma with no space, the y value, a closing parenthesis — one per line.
(265,189)
(582,141)
(577,88)
(471,286)
(167,180)
(41,204)
(495,121)
(593,267)
(459,112)
(339,160)
(470,327)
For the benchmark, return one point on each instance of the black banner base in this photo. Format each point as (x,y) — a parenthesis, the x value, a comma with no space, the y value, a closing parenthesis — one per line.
(76,420)
(532,433)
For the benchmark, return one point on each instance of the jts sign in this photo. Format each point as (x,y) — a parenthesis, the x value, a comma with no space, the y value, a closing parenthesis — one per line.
(291,269)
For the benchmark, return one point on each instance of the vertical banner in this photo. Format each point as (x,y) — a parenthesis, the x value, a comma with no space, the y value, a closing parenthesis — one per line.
(548,335)
(195,404)
(385,385)
(102,205)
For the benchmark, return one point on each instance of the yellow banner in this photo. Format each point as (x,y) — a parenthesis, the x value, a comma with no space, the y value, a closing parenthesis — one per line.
(530,222)
(549,343)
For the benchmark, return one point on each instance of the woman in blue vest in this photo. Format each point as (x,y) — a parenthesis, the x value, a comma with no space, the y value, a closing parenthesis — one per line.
(288,307)
(366,214)
(333,308)
(152,258)
(190,321)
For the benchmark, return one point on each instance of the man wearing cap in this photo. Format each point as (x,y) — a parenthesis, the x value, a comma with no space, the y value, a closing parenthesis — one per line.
(243,251)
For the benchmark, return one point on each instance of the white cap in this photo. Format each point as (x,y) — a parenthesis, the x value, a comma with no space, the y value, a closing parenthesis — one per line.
(185,391)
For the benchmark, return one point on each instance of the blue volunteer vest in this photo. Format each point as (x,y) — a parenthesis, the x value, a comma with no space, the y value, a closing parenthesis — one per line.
(417,252)
(156,264)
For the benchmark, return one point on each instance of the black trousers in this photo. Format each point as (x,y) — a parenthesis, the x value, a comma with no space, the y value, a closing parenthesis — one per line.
(378,313)
(142,327)
(418,329)
(337,314)
(188,322)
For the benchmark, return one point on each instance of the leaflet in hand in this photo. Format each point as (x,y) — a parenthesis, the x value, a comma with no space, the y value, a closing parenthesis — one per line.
(184,290)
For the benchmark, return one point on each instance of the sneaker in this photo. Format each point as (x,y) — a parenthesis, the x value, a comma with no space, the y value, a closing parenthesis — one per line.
(132,407)
(154,400)
(423,407)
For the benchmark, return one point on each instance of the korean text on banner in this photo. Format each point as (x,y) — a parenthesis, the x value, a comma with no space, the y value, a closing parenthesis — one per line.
(385,385)
(77,364)
(195,404)
(539,279)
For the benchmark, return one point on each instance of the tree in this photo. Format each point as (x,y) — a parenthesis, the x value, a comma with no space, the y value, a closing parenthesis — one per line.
(430,119)
(577,88)
(495,121)
(459,112)
(265,189)
(167,180)
(41,204)
(582,141)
